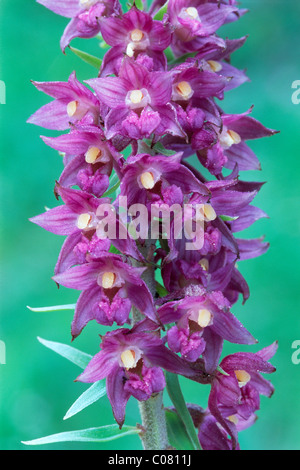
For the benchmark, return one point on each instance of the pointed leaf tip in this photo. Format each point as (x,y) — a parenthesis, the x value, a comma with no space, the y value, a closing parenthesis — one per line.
(87,58)
(100,434)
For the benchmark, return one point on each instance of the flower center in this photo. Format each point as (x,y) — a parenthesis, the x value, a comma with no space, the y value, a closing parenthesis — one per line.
(147,180)
(209,212)
(192,12)
(92,154)
(204,317)
(233,419)
(87,3)
(243,377)
(83,221)
(229,138)
(136,96)
(136,35)
(72,108)
(214,65)
(108,280)
(204,264)
(128,358)
(184,89)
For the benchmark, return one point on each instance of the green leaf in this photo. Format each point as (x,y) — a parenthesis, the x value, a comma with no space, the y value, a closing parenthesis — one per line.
(161,290)
(101,434)
(169,54)
(161,12)
(219,369)
(112,189)
(79,358)
(182,58)
(114,184)
(227,218)
(114,250)
(90,396)
(88,58)
(162,150)
(137,3)
(178,437)
(175,393)
(52,309)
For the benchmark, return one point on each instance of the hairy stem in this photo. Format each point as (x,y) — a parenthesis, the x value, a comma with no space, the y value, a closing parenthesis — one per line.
(154,436)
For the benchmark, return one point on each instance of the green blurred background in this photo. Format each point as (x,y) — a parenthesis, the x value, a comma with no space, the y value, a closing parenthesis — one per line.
(37,386)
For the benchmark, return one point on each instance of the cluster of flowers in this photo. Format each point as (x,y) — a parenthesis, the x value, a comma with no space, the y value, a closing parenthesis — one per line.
(164,111)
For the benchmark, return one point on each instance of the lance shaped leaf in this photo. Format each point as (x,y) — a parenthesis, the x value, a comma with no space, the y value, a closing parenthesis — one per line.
(100,434)
(79,358)
(88,58)
(90,396)
(177,434)
(178,401)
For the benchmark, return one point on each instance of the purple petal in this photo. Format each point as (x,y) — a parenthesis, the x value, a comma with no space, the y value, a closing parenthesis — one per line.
(247,127)
(111,91)
(114,121)
(139,127)
(84,311)
(252,248)
(60,220)
(79,277)
(214,409)
(246,361)
(117,394)
(142,299)
(268,352)
(228,327)
(229,202)
(247,217)
(160,36)
(213,350)
(67,8)
(242,155)
(212,437)
(51,116)
(101,365)
(169,123)
(67,258)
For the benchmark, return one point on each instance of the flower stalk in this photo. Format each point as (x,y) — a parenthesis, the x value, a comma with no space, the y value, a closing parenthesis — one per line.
(154,434)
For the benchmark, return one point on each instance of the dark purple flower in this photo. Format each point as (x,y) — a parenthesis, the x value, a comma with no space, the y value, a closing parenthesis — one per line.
(195,18)
(135,34)
(202,322)
(84,14)
(89,158)
(73,102)
(230,148)
(235,393)
(218,61)
(77,219)
(110,288)
(190,81)
(139,102)
(132,364)
(151,178)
